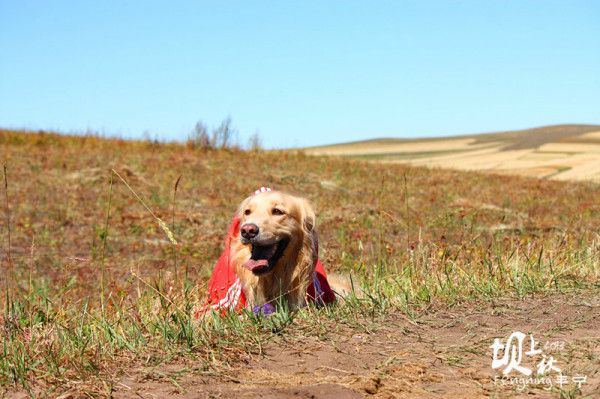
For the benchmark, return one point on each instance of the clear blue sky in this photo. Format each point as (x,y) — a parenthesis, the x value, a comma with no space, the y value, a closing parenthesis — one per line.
(301,73)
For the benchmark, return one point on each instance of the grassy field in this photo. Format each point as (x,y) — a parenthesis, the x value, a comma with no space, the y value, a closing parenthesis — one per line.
(97,298)
(561,152)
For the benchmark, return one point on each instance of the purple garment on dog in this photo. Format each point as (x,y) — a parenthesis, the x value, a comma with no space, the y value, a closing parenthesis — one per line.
(265,310)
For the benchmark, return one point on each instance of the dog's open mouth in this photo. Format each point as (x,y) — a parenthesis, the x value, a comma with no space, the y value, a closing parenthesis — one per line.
(265,257)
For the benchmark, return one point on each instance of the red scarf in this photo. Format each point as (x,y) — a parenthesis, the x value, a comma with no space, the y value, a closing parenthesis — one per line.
(225,289)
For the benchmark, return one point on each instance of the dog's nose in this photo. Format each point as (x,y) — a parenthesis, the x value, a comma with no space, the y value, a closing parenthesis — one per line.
(249,231)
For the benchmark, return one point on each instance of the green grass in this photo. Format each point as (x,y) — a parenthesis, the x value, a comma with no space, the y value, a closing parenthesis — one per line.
(558,171)
(414,154)
(404,155)
(57,341)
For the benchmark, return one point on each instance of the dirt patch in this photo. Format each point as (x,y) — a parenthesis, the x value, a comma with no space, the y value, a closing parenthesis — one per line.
(445,352)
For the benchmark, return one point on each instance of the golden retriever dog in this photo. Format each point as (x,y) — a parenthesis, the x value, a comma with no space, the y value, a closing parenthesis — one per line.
(276,252)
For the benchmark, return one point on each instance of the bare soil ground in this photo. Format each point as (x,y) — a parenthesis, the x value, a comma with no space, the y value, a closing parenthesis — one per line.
(444,352)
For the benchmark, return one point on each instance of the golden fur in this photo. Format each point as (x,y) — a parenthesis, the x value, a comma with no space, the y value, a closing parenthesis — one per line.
(279,217)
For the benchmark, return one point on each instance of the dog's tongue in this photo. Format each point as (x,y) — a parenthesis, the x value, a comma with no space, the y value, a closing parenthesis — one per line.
(253,264)
(260,256)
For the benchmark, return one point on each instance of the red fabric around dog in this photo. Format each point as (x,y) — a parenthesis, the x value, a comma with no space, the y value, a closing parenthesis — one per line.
(225,289)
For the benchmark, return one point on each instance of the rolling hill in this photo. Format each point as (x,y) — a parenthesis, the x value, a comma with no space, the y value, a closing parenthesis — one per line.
(562,152)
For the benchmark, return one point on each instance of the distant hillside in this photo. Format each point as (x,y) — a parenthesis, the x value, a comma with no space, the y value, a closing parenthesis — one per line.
(566,152)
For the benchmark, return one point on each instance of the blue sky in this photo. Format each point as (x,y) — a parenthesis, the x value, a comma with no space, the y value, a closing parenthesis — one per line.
(300,73)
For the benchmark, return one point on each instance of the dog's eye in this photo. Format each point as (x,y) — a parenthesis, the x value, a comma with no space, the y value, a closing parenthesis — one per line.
(247,212)
(277,211)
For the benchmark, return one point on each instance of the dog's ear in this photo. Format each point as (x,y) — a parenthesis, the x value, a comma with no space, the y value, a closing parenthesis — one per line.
(303,271)
(309,225)
(309,218)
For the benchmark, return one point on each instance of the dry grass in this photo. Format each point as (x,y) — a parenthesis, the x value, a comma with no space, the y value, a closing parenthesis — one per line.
(411,236)
(563,152)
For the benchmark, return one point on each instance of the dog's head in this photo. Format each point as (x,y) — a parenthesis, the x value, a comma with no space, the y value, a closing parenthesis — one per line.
(278,228)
